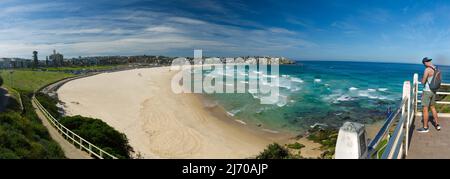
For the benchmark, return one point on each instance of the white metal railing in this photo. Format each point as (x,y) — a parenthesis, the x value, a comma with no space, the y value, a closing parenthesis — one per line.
(397,142)
(438,93)
(75,139)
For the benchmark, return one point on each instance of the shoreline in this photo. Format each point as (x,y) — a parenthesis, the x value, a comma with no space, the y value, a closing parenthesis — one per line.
(154,131)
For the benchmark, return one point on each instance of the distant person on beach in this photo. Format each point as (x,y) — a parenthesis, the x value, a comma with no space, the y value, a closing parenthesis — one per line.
(428,96)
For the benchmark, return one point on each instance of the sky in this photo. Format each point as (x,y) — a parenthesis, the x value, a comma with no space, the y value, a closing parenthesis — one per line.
(371,30)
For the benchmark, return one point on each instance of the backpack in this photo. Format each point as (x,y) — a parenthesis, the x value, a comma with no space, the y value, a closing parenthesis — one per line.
(435,83)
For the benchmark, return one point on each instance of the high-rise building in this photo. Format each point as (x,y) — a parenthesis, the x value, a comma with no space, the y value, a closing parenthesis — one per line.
(56,58)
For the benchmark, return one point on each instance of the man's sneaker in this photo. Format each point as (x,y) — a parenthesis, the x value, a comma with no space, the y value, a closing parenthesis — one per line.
(438,127)
(423,130)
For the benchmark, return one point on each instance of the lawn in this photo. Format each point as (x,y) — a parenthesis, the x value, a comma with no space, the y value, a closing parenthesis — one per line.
(77,68)
(27,80)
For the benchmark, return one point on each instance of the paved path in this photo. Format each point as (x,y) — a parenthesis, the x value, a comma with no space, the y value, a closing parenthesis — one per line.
(70,151)
(432,145)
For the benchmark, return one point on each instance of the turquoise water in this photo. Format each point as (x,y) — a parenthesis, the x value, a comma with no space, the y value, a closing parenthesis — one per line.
(325,93)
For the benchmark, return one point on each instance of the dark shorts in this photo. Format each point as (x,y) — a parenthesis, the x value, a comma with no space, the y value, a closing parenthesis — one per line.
(428,99)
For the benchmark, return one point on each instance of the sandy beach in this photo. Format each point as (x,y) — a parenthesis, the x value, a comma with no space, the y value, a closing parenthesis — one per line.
(159,123)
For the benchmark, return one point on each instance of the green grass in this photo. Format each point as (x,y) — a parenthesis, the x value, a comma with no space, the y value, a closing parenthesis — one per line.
(76,68)
(295,145)
(27,80)
(381,148)
(22,135)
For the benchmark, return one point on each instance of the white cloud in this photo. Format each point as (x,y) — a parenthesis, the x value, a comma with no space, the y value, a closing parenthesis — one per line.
(187,20)
(162,29)
(281,31)
(134,32)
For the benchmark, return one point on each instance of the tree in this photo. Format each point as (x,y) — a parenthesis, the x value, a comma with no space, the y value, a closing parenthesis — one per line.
(35,59)
(1,81)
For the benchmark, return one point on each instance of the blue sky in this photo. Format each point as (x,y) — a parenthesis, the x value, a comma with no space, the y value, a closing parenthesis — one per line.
(390,30)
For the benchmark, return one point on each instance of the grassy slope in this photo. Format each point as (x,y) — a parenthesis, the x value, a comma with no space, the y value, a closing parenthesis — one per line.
(27,80)
(22,134)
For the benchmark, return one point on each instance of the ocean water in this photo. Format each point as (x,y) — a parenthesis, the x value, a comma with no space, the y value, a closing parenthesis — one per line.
(322,93)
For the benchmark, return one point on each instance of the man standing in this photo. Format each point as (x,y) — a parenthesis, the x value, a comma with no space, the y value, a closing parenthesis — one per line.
(428,96)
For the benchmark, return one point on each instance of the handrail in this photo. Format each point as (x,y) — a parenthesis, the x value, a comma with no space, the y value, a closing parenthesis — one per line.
(351,142)
(393,145)
(74,138)
(384,130)
(397,145)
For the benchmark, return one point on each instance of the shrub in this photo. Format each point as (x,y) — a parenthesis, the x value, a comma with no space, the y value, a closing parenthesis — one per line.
(1,81)
(49,104)
(274,151)
(295,145)
(21,138)
(99,133)
(327,138)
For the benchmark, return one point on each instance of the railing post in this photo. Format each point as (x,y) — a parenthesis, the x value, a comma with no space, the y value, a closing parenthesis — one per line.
(351,142)
(406,108)
(416,91)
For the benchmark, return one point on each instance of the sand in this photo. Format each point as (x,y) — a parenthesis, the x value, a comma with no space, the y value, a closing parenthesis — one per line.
(157,122)
(161,124)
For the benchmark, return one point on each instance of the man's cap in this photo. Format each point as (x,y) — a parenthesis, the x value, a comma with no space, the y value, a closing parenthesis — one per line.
(426,59)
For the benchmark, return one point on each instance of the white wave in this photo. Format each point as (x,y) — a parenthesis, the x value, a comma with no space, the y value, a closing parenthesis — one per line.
(353,89)
(270,76)
(382,89)
(344,98)
(246,82)
(298,80)
(368,94)
(371,90)
(282,100)
(319,124)
(270,131)
(236,111)
(233,112)
(317,80)
(285,76)
(242,122)
(295,89)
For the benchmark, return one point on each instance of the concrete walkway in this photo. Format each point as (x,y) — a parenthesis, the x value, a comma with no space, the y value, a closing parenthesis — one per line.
(70,151)
(432,145)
